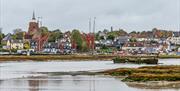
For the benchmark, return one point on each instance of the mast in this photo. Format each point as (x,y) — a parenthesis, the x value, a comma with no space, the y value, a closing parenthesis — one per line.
(89,25)
(1,6)
(179,18)
(40,21)
(33,17)
(94,29)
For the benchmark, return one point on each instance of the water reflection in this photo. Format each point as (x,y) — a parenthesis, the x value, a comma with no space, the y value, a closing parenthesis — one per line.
(72,83)
(34,85)
(61,83)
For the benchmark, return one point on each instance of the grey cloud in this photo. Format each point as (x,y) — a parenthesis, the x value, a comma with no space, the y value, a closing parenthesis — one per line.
(69,14)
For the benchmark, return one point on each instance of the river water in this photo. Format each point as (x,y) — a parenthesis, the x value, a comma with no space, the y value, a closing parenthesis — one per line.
(27,76)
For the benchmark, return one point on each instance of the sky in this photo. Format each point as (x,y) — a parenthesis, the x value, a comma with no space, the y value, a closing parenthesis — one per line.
(131,15)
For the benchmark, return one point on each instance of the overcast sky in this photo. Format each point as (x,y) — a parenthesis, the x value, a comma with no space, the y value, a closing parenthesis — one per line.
(130,15)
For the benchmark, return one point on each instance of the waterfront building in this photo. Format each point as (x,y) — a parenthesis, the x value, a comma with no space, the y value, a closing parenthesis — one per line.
(34,35)
(174,40)
(17,44)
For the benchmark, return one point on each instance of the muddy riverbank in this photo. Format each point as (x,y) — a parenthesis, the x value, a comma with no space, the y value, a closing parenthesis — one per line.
(70,57)
(147,73)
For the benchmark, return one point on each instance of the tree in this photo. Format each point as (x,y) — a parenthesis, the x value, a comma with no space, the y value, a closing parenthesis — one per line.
(77,38)
(14,36)
(104,47)
(1,37)
(55,35)
(132,40)
(111,37)
(133,32)
(102,37)
(43,31)
(19,35)
(105,31)
(26,45)
(97,37)
(84,46)
(18,30)
(113,34)
(122,32)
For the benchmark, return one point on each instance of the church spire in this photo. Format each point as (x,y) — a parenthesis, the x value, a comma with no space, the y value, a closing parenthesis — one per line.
(33,16)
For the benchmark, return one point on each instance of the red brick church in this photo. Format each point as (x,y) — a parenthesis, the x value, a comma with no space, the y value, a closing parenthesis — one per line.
(33,25)
(36,39)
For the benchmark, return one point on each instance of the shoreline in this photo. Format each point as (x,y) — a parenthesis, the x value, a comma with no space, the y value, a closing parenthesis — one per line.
(71,57)
(154,85)
(54,57)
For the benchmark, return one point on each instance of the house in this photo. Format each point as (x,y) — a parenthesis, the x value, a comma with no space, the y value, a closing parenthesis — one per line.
(65,46)
(108,43)
(120,41)
(176,34)
(151,48)
(17,44)
(97,45)
(50,47)
(33,44)
(174,40)
(6,41)
(9,43)
(178,52)
(133,46)
(103,35)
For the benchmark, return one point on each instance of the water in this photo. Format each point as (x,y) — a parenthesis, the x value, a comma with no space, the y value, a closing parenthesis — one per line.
(26,76)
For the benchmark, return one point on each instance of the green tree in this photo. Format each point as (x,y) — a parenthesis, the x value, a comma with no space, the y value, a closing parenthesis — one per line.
(113,34)
(97,37)
(105,30)
(17,30)
(20,35)
(102,37)
(14,36)
(121,32)
(56,34)
(84,46)
(26,45)
(132,40)
(1,37)
(133,32)
(43,31)
(111,37)
(77,38)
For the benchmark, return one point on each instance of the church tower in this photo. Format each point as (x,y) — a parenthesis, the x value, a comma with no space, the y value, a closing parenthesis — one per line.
(33,25)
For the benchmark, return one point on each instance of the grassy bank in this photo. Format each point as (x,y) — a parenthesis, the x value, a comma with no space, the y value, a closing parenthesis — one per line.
(55,57)
(151,73)
(169,56)
(68,57)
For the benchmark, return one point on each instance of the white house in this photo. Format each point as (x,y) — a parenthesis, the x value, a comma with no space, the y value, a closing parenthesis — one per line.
(174,40)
